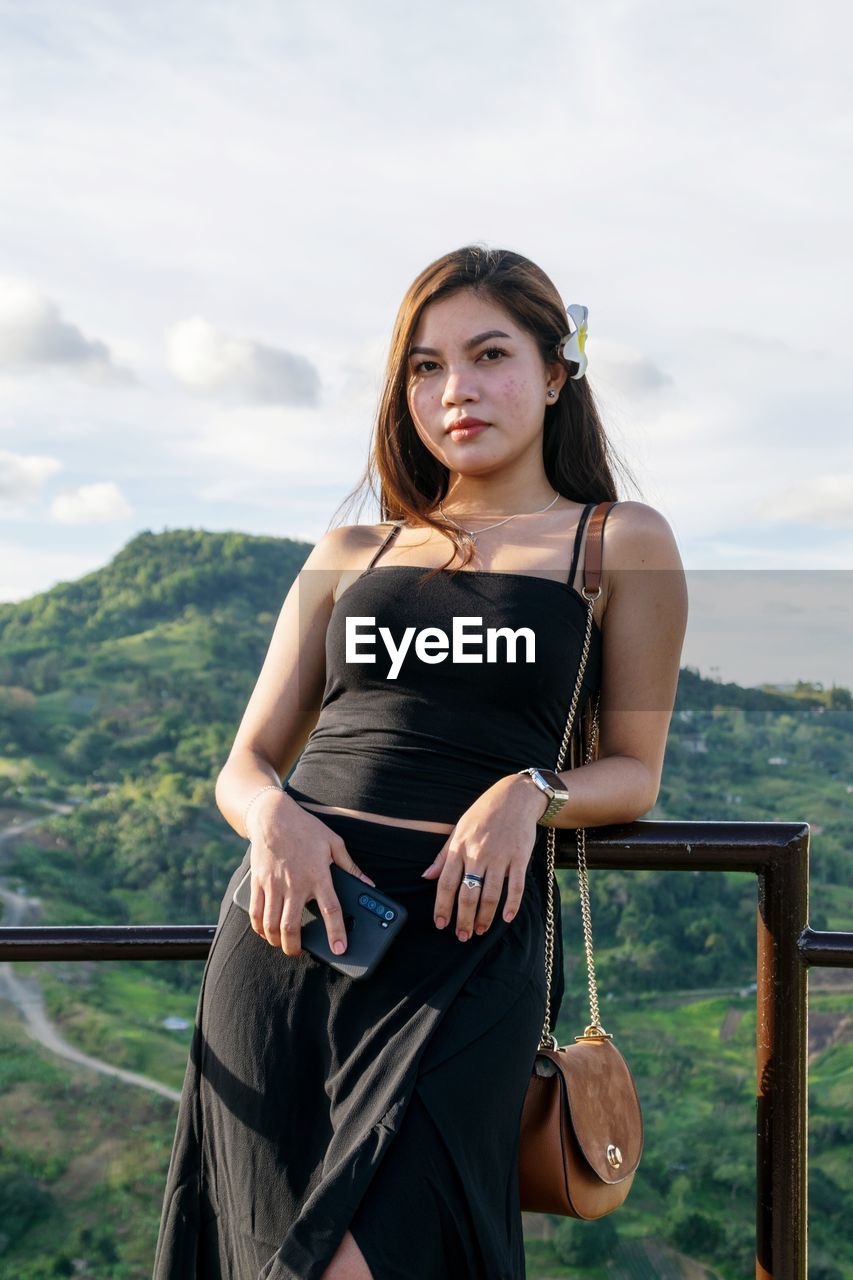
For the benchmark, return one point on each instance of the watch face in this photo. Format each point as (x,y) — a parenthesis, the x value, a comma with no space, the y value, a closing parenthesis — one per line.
(552,778)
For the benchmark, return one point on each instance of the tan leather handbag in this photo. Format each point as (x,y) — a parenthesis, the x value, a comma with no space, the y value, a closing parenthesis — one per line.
(581,1127)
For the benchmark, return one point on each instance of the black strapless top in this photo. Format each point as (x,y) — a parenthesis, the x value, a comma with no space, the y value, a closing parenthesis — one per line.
(411,736)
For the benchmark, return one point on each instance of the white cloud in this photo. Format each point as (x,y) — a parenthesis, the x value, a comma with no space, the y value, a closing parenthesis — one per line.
(273,455)
(823,501)
(288,179)
(23,477)
(207,360)
(249,450)
(33,332)
(627,369)
(100,503)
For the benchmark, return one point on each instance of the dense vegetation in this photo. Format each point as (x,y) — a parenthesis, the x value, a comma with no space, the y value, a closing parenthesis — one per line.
(120,694)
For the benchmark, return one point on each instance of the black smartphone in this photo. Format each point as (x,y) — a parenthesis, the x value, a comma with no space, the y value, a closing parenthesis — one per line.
(372,921)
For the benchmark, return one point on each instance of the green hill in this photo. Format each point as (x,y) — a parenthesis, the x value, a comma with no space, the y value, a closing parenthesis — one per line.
(119,698)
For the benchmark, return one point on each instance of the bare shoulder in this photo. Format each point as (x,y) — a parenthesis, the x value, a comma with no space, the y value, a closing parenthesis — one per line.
(346,547)
(637,536)
(644,633)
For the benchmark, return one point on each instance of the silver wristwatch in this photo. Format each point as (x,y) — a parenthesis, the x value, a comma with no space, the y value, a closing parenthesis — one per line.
(549,782)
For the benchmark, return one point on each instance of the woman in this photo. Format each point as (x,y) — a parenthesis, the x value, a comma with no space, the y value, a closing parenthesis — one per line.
(332,1129)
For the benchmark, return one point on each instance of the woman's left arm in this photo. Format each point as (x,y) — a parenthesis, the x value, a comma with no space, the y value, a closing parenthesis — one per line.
(643,630)
(645,619)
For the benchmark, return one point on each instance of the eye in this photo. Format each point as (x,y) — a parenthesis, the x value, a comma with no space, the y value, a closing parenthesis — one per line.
(419,366)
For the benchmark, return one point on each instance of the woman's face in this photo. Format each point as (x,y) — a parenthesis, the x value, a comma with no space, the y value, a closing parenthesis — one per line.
(479,364)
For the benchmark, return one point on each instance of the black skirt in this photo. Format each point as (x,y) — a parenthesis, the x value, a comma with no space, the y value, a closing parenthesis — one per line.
(314,1104)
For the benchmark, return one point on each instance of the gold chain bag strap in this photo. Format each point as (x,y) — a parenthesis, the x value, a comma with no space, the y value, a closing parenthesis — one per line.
(581,1126)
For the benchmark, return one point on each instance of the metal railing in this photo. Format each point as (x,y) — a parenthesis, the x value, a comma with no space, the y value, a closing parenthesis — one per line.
(776,852)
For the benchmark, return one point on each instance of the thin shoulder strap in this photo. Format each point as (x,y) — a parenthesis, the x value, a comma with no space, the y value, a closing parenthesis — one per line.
(393,531)
(578,536)
(595,546)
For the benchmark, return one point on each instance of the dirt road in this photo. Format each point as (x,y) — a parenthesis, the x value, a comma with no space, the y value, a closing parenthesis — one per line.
(26,995)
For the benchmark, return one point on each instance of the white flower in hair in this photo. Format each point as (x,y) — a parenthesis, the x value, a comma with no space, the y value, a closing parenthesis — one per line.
(571,345)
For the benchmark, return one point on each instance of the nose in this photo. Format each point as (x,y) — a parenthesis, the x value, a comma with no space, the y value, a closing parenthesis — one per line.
(459,387)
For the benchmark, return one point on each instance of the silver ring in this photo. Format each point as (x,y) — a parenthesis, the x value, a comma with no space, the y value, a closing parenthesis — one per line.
(472,881)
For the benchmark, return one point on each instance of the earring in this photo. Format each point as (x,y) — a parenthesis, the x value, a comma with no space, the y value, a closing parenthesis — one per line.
(552,393)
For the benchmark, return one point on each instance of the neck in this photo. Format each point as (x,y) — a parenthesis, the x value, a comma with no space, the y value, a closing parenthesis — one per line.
(516,504)
(493,497)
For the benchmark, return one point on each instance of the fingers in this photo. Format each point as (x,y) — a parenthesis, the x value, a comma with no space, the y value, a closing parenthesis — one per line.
(280,928)
(256,907)
(445,889)
(476,907)
(276,911)
(279,921)
(515,891)
(281,925)
(333,917)
(290,936)
(469,900)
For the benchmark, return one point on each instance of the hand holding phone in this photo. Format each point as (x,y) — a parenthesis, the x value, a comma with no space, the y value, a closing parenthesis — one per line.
(289,855)
(372,920)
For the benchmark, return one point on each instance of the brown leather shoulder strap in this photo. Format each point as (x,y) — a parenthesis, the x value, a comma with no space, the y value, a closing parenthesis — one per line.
(594,550)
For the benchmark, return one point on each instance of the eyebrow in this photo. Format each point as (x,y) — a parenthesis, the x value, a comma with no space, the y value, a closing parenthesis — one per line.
(469,345)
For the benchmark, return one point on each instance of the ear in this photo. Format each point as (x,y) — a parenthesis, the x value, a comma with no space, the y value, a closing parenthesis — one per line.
(557,375)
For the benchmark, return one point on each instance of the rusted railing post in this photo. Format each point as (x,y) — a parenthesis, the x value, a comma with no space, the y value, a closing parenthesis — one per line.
(781,1062)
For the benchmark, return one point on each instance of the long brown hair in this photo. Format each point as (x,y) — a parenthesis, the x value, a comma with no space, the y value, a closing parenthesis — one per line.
(576,453)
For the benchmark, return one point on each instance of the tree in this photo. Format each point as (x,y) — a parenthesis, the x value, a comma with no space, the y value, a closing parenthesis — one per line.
(584,1243)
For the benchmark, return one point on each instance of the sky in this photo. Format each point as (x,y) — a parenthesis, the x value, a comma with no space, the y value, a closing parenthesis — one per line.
(210,213)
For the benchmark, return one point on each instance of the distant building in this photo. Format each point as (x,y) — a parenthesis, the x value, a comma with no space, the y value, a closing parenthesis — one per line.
(174,1023)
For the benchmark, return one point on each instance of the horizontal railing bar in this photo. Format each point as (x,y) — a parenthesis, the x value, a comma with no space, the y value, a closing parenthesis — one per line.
(107,942)
(684,846)
(193,941)
(640,846)
(834,950)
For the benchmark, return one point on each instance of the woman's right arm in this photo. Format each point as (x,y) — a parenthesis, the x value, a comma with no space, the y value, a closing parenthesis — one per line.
(292,849)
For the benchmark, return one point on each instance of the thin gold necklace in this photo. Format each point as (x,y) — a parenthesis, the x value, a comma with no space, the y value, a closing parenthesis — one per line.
(475,533)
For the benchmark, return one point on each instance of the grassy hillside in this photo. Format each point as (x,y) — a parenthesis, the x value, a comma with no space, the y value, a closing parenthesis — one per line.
(119,697)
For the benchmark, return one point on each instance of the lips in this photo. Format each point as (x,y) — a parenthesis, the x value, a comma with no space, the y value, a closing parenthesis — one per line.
(462,428)
(465,433)
(467,422)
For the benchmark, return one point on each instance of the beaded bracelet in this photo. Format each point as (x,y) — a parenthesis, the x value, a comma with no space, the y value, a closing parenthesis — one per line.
(271,787)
